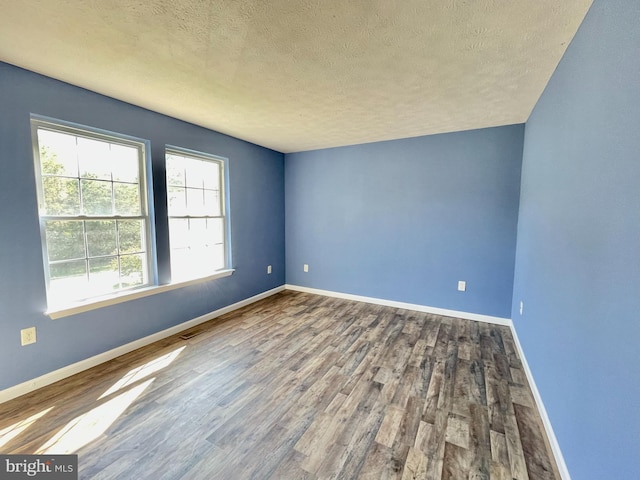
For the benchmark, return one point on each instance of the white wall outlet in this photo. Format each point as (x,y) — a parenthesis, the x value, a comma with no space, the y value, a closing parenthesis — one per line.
(462,286)
(521,306)
(305,267)
(269,269)
(28,336)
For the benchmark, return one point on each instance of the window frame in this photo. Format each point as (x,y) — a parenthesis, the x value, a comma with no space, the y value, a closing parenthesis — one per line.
(224,211)
(54,125)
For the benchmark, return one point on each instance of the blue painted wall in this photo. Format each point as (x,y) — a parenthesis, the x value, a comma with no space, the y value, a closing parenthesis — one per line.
(257,226)
(404,220)
(578,254)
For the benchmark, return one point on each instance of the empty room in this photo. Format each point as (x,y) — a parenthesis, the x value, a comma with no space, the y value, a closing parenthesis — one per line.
(309,240)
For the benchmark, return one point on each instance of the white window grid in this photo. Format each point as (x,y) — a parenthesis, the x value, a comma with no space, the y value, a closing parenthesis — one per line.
(196,204)
(87,217)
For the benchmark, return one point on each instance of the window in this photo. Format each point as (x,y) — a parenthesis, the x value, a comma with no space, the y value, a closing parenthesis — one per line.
(93,212)
(197,221)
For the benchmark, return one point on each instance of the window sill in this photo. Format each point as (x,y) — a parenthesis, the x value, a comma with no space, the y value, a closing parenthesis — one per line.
(94,304)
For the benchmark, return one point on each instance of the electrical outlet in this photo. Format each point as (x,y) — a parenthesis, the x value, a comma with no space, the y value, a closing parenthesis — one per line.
(521,306)
(269,269)
(28,336)
(462,286)
(305,267)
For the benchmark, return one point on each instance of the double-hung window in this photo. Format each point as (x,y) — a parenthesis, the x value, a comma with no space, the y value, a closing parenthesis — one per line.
(197,220)
(93,210)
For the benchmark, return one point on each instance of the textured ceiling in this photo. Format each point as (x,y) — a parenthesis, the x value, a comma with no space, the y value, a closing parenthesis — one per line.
(302,74)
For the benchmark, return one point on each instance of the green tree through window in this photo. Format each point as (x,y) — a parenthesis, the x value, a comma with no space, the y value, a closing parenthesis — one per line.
(92,214)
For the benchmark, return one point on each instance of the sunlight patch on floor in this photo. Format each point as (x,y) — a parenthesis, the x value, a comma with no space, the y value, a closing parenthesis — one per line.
(12,431)
(89,426)
(143,371)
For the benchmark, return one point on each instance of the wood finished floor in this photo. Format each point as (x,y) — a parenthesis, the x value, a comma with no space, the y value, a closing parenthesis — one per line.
(298,386)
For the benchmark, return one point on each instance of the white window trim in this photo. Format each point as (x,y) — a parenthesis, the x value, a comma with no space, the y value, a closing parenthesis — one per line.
(108,300)
(38,121)
(61,310)
(224,199)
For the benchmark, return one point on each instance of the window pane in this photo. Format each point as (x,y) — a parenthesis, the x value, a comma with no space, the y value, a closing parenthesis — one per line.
(101,238)
(68,269)
(217,257)
(96,197)
(180,264)
(195,173)
(65,240)
(178,233)
(124,163)
(132,270)
(127,198)
(61,196)
(197,232)
(212,202)
(68,281)
(208,239)
(175,170)
(195,201)
(198,261)
(94,158)
(188,263)
(177,198)
(215,228)
(211,175)
(103,275)
(58,155)
(131,236)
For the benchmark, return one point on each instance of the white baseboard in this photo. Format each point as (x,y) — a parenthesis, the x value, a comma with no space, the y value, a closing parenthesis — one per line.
(555,446)
(407,306)
(64,372)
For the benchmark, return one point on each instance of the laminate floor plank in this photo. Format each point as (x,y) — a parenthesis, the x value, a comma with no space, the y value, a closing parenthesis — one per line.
(298,386)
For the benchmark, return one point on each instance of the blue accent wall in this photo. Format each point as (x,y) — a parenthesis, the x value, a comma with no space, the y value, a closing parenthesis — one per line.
(578,254)
(404,220)
(256,177)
